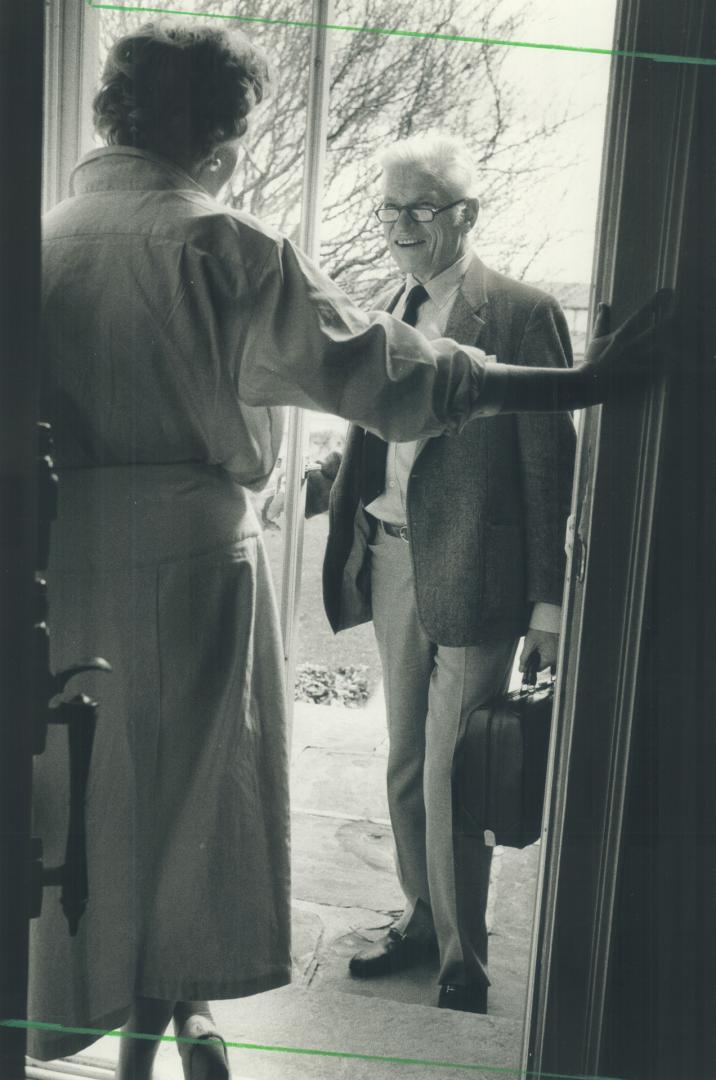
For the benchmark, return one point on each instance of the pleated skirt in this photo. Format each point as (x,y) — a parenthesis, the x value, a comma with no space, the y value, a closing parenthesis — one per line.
(161,570)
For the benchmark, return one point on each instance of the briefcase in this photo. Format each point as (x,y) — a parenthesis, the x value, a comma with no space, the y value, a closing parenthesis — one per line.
(501,767)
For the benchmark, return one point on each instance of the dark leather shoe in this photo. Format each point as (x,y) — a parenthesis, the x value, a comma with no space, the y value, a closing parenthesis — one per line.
(471,998)
(394,952)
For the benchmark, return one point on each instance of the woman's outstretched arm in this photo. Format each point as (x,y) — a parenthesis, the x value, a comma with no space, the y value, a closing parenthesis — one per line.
(613,361)
(306,343)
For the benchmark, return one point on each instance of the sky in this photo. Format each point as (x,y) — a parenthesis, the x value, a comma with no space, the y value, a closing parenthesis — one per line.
(578,82)
(564,204)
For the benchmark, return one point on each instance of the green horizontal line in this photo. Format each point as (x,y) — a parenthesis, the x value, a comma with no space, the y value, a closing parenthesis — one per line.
(668,58)
(39,1025)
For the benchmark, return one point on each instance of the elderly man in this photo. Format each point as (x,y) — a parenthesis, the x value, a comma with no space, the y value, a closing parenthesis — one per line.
(454,547)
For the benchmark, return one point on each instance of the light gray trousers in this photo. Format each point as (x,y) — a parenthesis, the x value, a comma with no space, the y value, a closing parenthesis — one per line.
(430,689)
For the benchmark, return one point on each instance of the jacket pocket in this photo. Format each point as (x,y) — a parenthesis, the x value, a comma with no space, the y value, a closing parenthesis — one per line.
(505,571)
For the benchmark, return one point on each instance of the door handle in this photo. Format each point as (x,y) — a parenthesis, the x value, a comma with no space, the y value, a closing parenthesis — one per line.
(80,717)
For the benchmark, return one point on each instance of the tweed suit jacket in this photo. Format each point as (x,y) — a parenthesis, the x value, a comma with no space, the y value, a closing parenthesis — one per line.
(486,509)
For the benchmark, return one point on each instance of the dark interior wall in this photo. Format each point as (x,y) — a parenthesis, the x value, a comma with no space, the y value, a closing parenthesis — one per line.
(21,34)
(652,164)
(660,1017)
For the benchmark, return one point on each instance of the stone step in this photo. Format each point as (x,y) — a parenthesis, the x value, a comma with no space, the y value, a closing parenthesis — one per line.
(300,1034)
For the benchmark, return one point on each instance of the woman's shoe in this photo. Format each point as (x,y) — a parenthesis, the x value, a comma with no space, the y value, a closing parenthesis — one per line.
(202,1050)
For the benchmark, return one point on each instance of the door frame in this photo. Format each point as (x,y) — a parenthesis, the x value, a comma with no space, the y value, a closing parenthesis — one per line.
(645,169)
(21,57)
(651,105)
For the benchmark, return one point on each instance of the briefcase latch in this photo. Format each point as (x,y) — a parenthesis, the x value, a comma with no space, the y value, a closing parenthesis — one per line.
(489,838)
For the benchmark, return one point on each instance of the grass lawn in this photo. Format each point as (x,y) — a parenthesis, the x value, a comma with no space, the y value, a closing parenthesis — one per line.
(316,643)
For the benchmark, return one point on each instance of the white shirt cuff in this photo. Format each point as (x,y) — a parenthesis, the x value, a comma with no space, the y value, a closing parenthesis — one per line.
(546,617)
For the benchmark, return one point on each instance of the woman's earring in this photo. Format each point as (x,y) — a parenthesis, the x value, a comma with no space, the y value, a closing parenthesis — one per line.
(215,164)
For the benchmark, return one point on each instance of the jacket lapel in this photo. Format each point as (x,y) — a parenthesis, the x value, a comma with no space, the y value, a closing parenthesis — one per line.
(469,316)
(466,325)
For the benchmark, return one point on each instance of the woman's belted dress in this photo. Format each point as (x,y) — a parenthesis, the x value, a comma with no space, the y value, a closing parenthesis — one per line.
(173,332)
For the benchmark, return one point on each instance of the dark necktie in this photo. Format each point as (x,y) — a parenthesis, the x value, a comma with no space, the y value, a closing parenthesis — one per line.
(375,449)
(417,295)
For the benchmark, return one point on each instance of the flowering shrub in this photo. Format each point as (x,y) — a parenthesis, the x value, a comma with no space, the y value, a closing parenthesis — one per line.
(346,686)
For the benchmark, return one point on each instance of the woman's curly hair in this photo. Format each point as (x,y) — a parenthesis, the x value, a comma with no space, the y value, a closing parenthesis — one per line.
(179,90)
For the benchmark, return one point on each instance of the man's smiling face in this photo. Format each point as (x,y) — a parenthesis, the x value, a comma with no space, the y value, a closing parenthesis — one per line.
(425,249)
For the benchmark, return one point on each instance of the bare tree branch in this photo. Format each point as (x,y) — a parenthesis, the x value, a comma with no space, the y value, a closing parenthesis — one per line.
(383,88)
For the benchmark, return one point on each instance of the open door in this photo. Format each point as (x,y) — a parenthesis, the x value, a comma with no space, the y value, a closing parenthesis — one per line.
(631,829)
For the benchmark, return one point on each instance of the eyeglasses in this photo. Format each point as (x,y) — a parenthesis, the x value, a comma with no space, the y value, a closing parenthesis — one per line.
(422,214)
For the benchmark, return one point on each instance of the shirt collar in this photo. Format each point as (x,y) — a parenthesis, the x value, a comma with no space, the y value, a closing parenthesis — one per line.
(113,168)
(446,283)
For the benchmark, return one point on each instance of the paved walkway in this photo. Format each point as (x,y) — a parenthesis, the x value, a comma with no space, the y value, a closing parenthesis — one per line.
(344,884)
(345,893)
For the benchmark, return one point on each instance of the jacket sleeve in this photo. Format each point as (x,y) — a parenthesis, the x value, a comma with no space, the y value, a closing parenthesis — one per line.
(307,344)
(546,451)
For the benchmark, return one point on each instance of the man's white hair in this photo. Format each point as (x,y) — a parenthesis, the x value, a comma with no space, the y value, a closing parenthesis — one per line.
(445,158)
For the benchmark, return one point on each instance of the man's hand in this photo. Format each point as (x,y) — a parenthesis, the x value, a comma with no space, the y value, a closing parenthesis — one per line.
(628,353)
(319,481)
(543,642)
